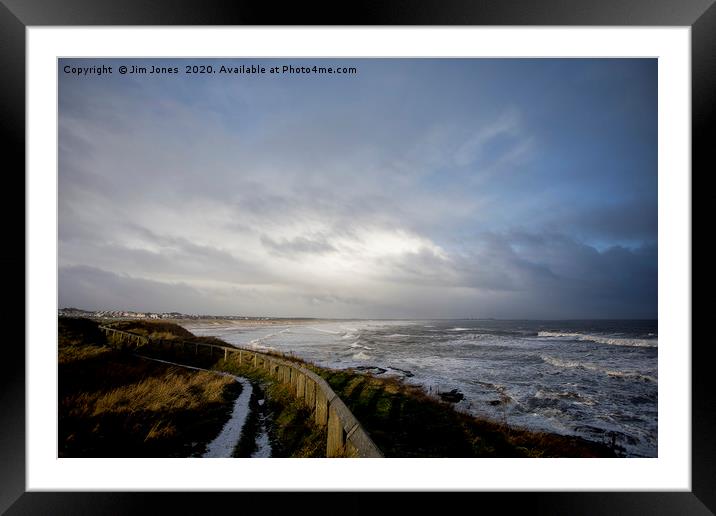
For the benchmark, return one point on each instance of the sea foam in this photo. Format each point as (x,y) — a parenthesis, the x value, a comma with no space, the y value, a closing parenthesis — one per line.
(602,339)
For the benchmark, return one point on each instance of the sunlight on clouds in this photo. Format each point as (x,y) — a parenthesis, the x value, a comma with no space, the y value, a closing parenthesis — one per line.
(367,254)
(381,243)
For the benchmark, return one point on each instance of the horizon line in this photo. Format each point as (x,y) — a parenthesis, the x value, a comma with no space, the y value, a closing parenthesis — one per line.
(277,317)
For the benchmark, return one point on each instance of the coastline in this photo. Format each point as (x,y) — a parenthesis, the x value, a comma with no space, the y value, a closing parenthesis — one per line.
(386,405)
(482,373)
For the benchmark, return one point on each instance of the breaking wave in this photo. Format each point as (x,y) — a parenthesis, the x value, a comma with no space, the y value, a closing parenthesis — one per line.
(357,345)
(576,364)
(602,339)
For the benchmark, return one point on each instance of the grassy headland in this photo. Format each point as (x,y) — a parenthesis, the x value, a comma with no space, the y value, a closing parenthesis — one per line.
(113,403)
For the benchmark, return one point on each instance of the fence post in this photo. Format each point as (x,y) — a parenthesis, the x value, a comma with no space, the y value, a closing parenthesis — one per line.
(335,445)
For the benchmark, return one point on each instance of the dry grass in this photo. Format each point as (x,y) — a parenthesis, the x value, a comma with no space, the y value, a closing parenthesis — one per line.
(76,353)
(155,329)
(113,404)
(175,390)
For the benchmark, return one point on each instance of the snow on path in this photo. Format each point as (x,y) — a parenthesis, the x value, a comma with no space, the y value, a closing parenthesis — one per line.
(225,442)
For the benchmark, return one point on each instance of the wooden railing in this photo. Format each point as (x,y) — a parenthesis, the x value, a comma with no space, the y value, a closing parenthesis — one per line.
(345,435)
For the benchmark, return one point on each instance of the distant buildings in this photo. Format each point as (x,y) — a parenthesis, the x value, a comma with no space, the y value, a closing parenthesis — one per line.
(124,314)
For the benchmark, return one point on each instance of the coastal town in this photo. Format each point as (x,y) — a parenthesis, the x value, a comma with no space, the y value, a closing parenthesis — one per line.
(123,314)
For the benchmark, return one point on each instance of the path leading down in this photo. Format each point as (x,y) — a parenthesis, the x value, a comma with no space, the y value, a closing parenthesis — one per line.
(223,445)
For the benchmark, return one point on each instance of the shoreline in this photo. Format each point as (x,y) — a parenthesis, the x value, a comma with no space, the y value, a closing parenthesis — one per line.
(467,400)
(415,389)
(403,419)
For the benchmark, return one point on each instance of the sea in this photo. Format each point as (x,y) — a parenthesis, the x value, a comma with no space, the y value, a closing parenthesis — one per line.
(594,379)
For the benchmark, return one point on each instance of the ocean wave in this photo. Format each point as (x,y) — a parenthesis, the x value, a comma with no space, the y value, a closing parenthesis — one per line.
(602,339)
(330,332)
(557,362)
(349,333)
(256,344)
(361,356)
(571,396)
(356,345)
(258,341)
(576,364)
(632,374)
(460,329)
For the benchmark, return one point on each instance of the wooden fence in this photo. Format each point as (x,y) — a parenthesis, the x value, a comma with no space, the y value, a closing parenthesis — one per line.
(346,436)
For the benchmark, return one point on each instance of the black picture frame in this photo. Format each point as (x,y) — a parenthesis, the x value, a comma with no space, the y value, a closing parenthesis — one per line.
(16,15)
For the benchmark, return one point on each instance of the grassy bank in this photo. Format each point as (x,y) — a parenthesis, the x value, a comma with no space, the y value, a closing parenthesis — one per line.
(290,427)
(291,431)
(112,404)
(115,404)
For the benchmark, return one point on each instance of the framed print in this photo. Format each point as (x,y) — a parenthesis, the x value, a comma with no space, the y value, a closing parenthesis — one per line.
(449,245)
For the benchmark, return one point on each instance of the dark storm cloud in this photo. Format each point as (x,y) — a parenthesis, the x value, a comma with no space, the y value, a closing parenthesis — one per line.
(634,220)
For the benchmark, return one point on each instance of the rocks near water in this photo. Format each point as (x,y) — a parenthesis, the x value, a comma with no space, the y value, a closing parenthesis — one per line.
(381,370)
(405,372)
(452,396)
(371,369)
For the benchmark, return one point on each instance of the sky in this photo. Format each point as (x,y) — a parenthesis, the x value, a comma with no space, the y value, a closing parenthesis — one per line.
(415,188)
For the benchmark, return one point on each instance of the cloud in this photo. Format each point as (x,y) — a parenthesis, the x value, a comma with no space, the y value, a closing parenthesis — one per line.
(85,286)
(299,198)
(298,245)
(500,142)
(518,275)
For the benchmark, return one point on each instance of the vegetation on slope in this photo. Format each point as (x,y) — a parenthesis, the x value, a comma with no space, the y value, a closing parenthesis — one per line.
(145,384)
(113,404)
(292,432)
